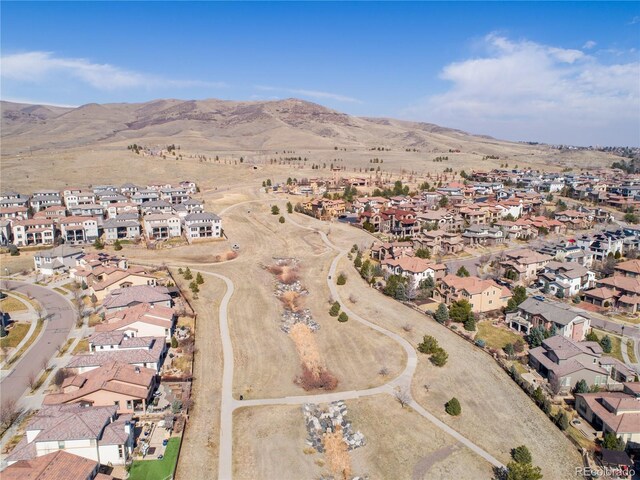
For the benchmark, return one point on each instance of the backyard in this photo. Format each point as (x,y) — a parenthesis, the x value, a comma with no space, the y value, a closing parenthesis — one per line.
(495,337)
(157,469)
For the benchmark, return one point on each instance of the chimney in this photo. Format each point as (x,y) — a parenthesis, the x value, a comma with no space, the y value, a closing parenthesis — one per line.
(127,428)
(137,369)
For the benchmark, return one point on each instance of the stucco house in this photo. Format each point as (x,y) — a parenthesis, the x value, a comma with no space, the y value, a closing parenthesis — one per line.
(96,433)
(202,225)
(142,320)
(568,321)
(54,466)
(161,226)
(483,295)
(128,297)
(414,268)
(56,260)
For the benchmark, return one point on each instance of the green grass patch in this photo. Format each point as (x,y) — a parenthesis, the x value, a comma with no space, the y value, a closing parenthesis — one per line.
(616,344)
(16,334)
(11,304)
(157,469)
(28,343)
(495,337)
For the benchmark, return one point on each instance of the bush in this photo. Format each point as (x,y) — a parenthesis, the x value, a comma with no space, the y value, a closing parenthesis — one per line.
(343,317)
(281,219)
(452,407)
(275,210)
(481,343)
(562,420)
(187,274)
(98,245)
(199,279)
(117,246)
(470,324)
(581,387)
(439,357)
(462,272)
(289,207)
(442,313)
(324,380)
(13,251)
(342,279)
(174,342)
(429,345)
(334,311)
(606,345)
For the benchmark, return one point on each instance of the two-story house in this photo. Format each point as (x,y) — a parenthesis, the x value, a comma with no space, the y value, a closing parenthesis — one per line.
(202,225)
(566,279)
(162,226)
(483,295)
(567,321)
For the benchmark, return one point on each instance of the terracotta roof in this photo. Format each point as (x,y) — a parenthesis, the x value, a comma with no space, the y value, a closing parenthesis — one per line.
(632,266)
(603,293)
(626,422)
(126,297)
(473,285)
(58,465)
(151,354)
(412,264)
(620,282)
(143,312)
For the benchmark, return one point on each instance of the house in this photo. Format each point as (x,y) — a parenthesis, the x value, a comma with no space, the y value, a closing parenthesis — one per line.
(324,208)
(162,226)
(121,208)
(121,227)
(107,198)
(14,213)
(193,206)
(96,433)
(174,195)
(565,361)
(381,251)
(45,198)
(574,220)
(87,210)
(142,320)
(77,230)
(482,235)
(128,297)
(156,207)
(78,197)
(618,291)
(59,465)
(34,231)
(414,268)
(569,322)
(438,242)
(6,237)
(483,295)
(128,387)
(144,196)
(57,260)
(120,279)
(630,268)
(566,279)
(524,263)
(106,347)
(613,412)
(202,225)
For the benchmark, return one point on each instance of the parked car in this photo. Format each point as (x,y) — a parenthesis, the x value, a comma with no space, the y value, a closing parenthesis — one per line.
(165,442)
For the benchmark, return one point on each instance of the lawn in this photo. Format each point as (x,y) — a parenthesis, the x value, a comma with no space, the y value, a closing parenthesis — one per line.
(28,343)
(65,347)
(16,334)
(157,469)
(81,347)
(616,351)
(60,291)
(631,352)
(11,304)
(495,337)
(71,286)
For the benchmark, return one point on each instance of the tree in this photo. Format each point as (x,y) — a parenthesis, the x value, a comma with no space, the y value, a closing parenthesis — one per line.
(538,395)
(393,287)
(281,219)
(522,471)
(521,454)
(429,345)
(443,202)
(452,407)
(187,274)
(402,396)
(462,272)
(562,420)
(289,207)
(422,253)
(193,286)
(631,218)
(366,271)
(519,296)
(439,357)
(174,342)
(335,309)
(199,279)
(342,279)
(343,317)
(117,246)
(97,244)
(442,313)
(470,324)
(275,210)
(591,337)
(509,350)
(460,311)
(605,343)
(536,336)
(581,387)
(358,260)
(611,442)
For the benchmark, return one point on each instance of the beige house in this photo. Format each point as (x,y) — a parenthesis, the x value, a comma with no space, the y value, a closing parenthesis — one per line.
(142,320)
(128,387)
(526,263)
(111,281)
(483,295)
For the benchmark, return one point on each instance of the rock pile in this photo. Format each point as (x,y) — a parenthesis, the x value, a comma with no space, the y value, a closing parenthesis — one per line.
(320,421)
(289,319)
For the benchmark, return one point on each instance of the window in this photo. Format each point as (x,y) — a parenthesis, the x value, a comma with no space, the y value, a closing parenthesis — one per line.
(117,403)
(120,451)
(61,445)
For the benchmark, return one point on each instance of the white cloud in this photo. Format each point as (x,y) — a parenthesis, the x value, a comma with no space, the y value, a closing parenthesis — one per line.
(310,93)
(589,44)
(40,67)
(523,90)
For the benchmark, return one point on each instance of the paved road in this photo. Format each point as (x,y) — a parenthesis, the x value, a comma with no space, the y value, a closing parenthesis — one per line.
(59,322)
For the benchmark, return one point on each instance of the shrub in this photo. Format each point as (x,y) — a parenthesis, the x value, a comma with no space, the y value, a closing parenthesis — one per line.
(463,272)
(562,420)
(343,317)
(323,380)
(281,220)
(481,343)
(98,245)
(199,279)
(439,357)
(429,345)
(611,442)
(335,309)
(275,210)
(187,274)
(605,343)
(13,251)
(470,324)
(342,279)
(452,407)
(522,471)
(117,246)
(174,342)
(289,207)
(581,387)
(442,313)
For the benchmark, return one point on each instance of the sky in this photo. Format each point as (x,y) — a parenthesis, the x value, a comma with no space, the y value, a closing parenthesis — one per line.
(549,72)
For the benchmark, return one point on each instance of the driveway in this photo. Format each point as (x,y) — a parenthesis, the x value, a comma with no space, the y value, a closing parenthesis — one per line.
(59,322)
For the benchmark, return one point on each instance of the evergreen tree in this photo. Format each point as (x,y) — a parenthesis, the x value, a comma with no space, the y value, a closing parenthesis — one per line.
(187,274)
(581,387)
(199,279)
(442,313)
(463,272)
(605,343)
(452,407)
(521,454)
(335,309)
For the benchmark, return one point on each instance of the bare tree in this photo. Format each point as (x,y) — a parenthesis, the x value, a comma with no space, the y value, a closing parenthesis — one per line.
(353,298)
(39,309)
(402,396)
(31,378)
(9,411)
(384,371)
(45,364)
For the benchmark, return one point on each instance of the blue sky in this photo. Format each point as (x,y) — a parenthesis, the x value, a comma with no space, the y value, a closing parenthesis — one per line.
(550,72)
